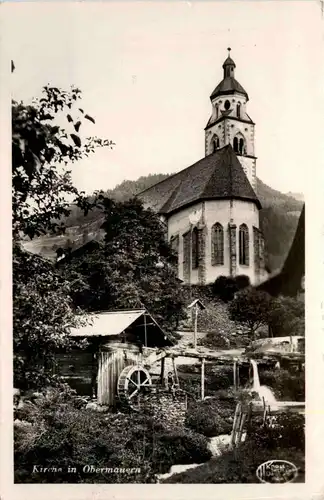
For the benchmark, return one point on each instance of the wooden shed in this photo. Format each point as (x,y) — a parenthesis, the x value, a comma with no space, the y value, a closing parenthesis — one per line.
(116,340)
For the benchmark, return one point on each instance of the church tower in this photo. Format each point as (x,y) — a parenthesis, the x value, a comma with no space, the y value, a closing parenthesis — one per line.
(230,123)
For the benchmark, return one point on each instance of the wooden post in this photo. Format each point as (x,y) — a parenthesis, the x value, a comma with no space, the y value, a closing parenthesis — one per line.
(176,378)
(203,379)
(234,375)
(162,370)
(145,330)
(195,326)
(235,424)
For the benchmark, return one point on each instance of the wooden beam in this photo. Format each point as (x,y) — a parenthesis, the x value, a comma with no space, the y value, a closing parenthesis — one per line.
(203,379)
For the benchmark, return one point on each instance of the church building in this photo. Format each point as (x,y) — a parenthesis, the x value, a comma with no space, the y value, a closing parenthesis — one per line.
(211,208)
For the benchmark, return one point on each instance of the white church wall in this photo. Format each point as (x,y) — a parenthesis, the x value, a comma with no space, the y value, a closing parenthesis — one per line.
(178,224)
(241,212)
(222,211)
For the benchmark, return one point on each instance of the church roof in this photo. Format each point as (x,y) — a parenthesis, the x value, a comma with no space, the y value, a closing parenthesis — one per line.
(217,176)
(228,86)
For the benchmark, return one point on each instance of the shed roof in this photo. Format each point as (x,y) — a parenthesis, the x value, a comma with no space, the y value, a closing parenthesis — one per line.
(111,323)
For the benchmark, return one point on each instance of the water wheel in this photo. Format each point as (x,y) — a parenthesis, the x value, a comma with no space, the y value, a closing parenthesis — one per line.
(132,384)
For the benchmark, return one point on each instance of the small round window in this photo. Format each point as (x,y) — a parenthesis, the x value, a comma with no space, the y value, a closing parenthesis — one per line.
(227,105)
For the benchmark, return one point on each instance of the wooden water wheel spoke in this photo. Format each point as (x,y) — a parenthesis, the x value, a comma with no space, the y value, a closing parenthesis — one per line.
(133,393)
(133,380)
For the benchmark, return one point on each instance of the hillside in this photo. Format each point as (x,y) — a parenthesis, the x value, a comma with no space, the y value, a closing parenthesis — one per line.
(278,220)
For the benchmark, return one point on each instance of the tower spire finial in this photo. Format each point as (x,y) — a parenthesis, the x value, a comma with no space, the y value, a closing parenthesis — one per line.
(229,51)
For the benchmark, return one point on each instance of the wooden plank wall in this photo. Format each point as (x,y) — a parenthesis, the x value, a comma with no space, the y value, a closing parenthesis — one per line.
(75,368)
(110,364)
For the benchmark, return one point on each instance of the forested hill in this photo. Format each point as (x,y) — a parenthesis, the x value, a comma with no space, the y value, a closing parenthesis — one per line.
(278,219)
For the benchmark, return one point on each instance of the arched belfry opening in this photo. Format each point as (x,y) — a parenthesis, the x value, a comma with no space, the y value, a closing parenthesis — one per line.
(239,144)
(215,144)
(238,110)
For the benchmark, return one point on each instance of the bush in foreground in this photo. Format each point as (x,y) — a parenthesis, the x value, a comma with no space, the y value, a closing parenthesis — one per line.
(55,431)
(211,417)
(285,441)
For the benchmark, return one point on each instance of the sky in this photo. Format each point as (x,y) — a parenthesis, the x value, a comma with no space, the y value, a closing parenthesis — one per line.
(147,69)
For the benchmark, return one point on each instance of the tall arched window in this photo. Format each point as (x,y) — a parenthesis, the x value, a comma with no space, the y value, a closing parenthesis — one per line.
(216,108)
(238,110)
(194,248)
(215,143)
(244,245)
(217,242)
(239,144)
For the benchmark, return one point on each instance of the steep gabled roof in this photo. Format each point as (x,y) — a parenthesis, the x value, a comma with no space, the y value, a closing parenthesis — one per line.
(217,176)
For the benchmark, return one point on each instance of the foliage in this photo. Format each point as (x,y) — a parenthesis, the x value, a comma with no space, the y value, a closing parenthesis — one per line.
(225,288)
(287,316)
(211,417)
(41,187)
(287,386)
(284,441)
(240,468)
(41,151)
(134,266)
(58,432)
(252,309)
(242,281)
(42,316)
(287,431)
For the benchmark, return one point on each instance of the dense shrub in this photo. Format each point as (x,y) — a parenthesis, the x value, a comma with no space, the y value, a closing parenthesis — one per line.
(287,386)
(225,288)
(287,431)
(56,430)
(211,417)
(178,447)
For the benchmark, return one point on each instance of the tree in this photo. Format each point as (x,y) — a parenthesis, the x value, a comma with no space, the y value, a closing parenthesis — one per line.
(41,151)
(252,309)
(41,187)
(132,267)
(42,316)
(287,316)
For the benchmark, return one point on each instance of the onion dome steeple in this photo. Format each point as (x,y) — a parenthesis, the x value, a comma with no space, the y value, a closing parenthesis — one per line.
(229,85)
(229,66)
